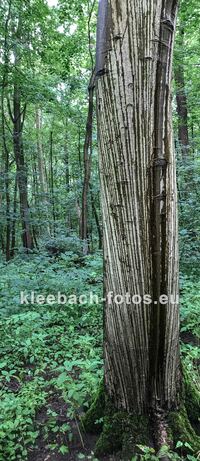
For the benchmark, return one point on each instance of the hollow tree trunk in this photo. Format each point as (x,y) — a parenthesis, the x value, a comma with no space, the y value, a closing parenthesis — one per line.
(138,186)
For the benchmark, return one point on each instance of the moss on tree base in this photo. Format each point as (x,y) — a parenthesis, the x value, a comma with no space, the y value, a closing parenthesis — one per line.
(122,432)
(119,431)
(191,397)
(181,429)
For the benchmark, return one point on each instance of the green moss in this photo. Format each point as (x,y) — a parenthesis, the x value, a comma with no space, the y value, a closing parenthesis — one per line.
(119,430)
(93,419)
(122,432)
(182,430)
(191,397)
(110,439)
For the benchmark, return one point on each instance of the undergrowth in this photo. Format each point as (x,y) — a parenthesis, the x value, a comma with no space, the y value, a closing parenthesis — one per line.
(56,350)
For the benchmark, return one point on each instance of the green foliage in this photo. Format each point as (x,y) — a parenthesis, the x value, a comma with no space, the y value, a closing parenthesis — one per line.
(149,454)
(46,350)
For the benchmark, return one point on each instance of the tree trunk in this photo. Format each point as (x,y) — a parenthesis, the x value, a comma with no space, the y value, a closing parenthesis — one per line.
(96,217)
(21,168)
(17,119)
(139,202)
(87,165)
(14,217)
(181,101)
(5,151)
(6,174)
(52,183)
(66,157)
(42,173)
(40,157)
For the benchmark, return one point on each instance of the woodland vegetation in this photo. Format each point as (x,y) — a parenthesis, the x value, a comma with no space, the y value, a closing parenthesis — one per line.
(52,215)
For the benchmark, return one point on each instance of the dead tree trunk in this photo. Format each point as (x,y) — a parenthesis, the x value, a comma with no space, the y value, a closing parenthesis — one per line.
(139,204)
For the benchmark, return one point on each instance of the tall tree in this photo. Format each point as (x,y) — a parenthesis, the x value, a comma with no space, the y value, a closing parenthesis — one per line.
(139,203)
(5,150)
(17,118)
(87,155)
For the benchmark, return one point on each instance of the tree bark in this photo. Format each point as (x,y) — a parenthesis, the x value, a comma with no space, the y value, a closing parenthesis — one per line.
(96,217)
(139,203)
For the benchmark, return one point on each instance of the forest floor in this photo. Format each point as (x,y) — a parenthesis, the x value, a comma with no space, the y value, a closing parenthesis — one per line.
(51,357)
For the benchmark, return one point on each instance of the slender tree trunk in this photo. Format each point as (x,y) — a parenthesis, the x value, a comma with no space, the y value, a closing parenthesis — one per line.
(87,158)
(87,165)
(4,144)
(14,217)
(1,207)
(40,156)
(6,178)
(21,169)
(96,217)
(181,101)
(17,119)
(79,150)
(52,182)
(139,202)
(66,158)
(42,172)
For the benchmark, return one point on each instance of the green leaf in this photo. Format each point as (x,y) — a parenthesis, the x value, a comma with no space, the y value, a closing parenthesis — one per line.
(64,449)
(61,379)
(179,444)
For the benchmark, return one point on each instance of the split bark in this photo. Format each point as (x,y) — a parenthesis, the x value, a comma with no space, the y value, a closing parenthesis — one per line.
(139,202)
